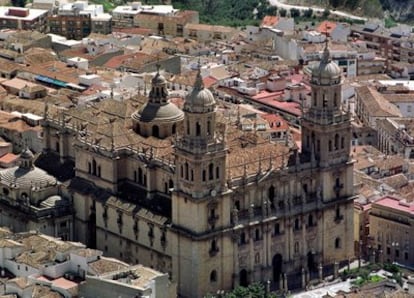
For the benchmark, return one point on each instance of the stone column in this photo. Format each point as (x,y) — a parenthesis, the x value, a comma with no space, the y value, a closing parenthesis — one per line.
(281,282)
(235,238)
(336,269)
(320,271)
(303,278)
(285,282)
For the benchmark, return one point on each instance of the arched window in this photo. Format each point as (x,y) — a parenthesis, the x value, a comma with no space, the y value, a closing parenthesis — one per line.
(170,184)
(198,129)
(99,171)
(271,193)
(188,127)
(338,242)
(174,128)
(297,227)
(135,176)
(342,143)
(192,176)
(211,171)
(335,99)
(217,172)
(237,205)
(330,145)
(208,127)
(155,131)
(213,245)
(89,168)
(140,176)
(310,220)
(93,167)
(186,171)
(336,141)
(243,238)
(338,212)
(213,276)
(305,188)
(276,229)
(182,171)
(204,175)
(257,235)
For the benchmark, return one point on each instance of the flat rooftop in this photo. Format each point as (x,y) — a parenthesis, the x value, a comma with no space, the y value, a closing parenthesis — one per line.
(33,13)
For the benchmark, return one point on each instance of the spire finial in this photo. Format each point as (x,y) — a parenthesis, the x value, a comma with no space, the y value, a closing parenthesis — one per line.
(326,56)
(199,85)
(158,64)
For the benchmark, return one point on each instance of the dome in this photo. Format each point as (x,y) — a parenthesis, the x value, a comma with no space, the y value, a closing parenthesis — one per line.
(327,71)
(151,112)
(200,99)
(25,178)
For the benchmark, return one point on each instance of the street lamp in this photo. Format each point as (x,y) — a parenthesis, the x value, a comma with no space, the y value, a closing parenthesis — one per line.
(267,288)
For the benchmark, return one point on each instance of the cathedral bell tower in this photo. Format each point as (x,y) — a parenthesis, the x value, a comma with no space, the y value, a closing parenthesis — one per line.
(326,133)
(326,142)
(200,200)
(201,149)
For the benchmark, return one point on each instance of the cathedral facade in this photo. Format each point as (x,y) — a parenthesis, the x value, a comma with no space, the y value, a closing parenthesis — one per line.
(185,191)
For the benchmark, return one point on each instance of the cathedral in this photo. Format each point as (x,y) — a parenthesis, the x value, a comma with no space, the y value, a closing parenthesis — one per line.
(179,187)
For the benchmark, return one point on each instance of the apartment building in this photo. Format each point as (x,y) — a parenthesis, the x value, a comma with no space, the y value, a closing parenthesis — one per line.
(79,19)
(391,235)
(23,18)
(208,33)
(396,44)
(171,24)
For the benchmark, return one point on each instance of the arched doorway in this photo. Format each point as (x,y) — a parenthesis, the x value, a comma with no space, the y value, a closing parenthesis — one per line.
(277,267)
(311,261)
(243,278)
(92,230)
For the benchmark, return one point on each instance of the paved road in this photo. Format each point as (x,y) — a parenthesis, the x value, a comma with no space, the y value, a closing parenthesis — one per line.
(318,9)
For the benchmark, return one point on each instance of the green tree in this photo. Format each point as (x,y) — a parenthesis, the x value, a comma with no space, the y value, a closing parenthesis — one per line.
(308,13)
(283,12)
(18,3)
(271,10)
(255,290)
(326,13)
(294,12)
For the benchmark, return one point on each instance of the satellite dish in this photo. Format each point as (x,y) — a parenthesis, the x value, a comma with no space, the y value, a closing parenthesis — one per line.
(213,193)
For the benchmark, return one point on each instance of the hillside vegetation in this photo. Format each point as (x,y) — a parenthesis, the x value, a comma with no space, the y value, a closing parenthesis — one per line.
(228,12)
(244,12)
(400,10)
